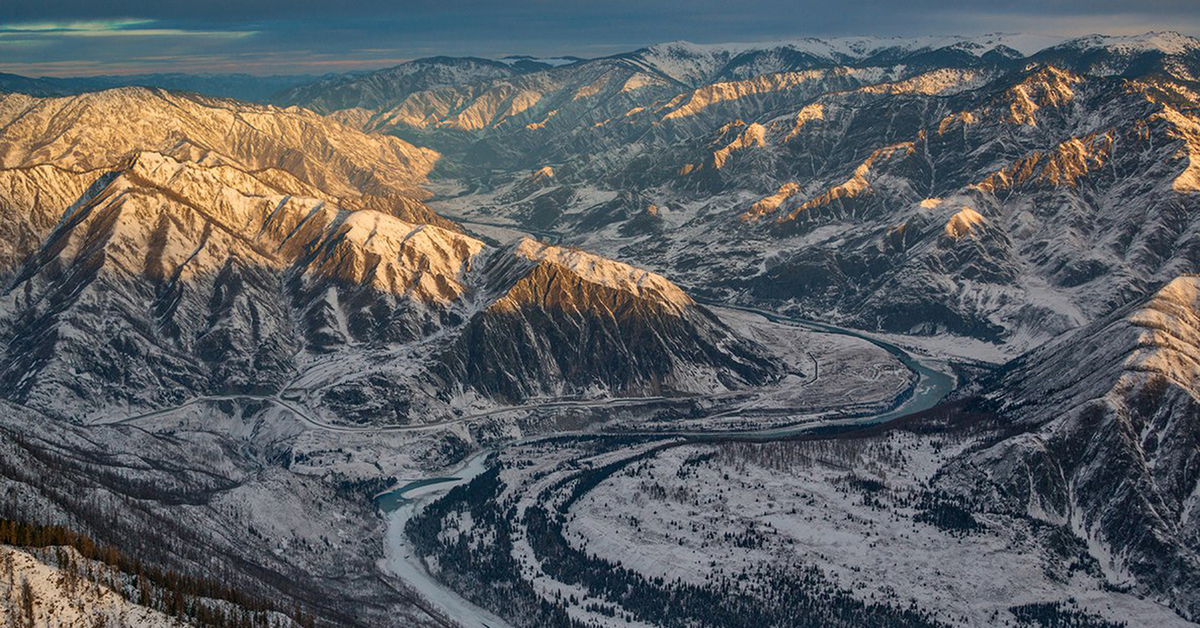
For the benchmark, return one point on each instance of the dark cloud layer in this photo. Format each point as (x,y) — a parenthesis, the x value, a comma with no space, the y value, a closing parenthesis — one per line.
(66,37)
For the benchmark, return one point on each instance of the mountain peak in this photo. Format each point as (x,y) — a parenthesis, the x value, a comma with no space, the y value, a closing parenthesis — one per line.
(605,272)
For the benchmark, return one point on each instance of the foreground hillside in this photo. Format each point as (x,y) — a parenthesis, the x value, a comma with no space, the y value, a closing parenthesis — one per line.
(1103,441)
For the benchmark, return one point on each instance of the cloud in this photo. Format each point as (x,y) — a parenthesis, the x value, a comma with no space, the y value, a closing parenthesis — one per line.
(82,26)
(109,28)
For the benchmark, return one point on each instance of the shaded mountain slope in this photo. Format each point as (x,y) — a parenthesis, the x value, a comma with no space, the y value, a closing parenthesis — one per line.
(568,322)
(1103,439)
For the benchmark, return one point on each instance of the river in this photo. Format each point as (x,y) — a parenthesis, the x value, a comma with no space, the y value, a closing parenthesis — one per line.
(402,503)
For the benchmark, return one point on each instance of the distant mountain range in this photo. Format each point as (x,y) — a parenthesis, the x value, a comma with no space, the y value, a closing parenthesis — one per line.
(240,86)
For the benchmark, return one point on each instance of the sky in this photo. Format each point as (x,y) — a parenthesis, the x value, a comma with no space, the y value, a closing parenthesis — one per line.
(91,37)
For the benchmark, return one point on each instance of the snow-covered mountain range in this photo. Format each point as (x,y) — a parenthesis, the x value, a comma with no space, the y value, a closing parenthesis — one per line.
(913,186)
(164,246)
(234,324)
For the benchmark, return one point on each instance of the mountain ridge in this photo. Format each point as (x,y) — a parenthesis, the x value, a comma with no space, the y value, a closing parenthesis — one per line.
(1101,438)
(208,271)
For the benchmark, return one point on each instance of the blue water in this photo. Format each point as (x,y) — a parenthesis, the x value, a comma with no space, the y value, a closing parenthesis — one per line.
(393,499)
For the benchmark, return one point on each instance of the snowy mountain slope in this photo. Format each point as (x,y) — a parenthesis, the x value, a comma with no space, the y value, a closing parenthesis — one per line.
(181,268)
(1041,151)
(150,278)
(52,596)
(550,323)
(99,130)
(1078,188)
(382,88)
(576,322)
(57,586)
(217,504)
(1103,440)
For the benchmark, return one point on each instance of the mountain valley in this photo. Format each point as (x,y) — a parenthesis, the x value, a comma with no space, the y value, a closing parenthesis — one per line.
(830,332)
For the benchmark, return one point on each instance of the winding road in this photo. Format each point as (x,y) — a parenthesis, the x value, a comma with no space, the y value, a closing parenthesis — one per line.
(311,421)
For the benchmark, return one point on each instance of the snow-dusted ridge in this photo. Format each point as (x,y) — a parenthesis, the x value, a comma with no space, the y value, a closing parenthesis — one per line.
(849,49)
(606,272)
(1166,42)
(548,61)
